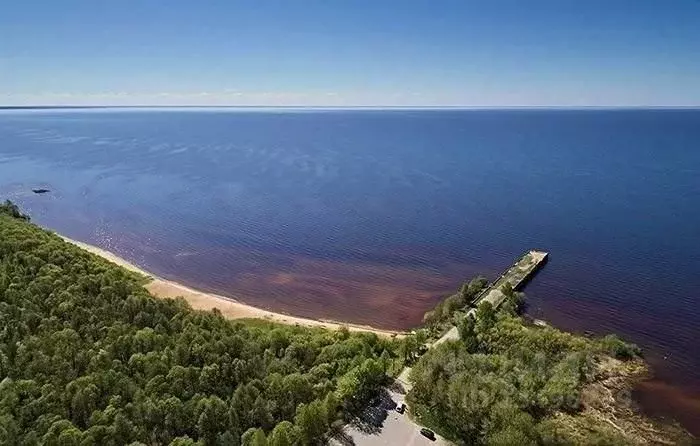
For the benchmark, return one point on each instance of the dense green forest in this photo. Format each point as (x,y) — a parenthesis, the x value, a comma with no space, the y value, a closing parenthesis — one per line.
(504,381)
(88,357)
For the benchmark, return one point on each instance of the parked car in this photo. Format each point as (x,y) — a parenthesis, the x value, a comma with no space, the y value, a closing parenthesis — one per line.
(428,433)
(401,408)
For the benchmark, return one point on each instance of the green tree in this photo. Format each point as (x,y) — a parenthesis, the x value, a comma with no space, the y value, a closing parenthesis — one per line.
(124,429)
(485,317)
(408,348)
(507,289)
(9,430)
(183,441)
(213,419)
(507,424)
(421,338)
(467,333)
(385,358)
(312,422)
(284,434)
(54,436)
(261,413)
(254,437)
(619,349)
(475,286)
(330,407)
(85,399)
(70,437)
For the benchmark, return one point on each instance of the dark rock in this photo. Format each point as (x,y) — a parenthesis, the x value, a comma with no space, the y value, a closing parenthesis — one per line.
(40,191)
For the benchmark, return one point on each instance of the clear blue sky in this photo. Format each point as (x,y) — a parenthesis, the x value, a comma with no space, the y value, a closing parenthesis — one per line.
(351,52)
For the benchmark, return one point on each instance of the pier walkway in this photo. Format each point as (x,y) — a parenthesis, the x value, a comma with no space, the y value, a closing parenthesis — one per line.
(393,428)
(517,276)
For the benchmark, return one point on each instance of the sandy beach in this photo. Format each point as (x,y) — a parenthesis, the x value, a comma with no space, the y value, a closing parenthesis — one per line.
(229,307)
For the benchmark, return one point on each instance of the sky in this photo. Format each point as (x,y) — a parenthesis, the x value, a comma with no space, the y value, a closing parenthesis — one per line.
(488,53)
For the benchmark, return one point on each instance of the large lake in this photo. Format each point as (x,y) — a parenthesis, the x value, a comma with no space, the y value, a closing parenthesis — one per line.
(372,216)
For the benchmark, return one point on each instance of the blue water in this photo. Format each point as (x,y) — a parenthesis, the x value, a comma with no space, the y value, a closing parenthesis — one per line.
(371,216)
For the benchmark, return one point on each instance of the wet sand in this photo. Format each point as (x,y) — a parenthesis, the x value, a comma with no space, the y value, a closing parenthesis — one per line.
(228,306)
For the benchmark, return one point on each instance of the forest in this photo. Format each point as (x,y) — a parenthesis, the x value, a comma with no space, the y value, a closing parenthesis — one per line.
(89,357)
(506,382)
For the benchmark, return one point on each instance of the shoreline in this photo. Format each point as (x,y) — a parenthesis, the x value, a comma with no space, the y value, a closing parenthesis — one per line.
(229,307)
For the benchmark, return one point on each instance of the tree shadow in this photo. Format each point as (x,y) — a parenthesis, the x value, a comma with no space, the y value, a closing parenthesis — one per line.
(396,386)
(342,438)
(371,419)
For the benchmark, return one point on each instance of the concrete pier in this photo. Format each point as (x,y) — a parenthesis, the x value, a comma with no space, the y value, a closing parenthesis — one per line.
(517,276)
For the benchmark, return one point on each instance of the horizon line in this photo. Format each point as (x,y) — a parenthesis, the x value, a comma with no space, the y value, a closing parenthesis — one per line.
(363,107)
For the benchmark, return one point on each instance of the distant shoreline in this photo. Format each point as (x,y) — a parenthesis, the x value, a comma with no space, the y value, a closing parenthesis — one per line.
(228,306)
(361,107)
